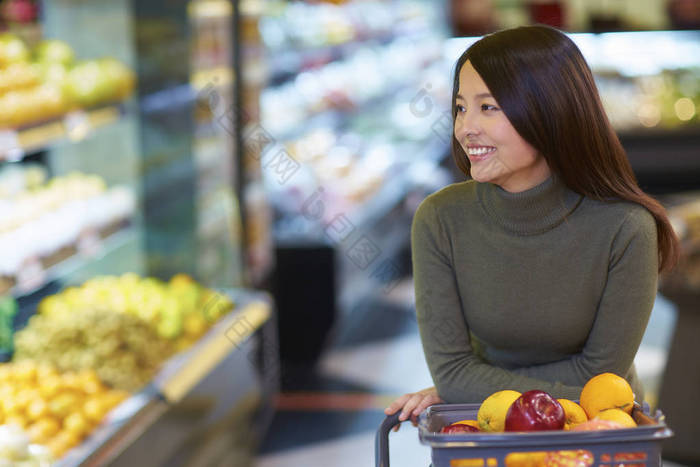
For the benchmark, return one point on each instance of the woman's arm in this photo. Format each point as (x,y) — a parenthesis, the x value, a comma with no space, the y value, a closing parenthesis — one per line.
(624,308)
(458,373)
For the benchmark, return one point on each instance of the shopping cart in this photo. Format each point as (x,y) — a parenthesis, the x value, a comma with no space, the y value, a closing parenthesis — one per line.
(640,446)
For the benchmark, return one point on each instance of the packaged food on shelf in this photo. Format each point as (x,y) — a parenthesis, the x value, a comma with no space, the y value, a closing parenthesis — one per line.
(47,82)
(52,408)
(43,224)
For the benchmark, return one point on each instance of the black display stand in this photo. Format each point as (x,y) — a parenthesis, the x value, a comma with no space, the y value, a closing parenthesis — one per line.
(305,297)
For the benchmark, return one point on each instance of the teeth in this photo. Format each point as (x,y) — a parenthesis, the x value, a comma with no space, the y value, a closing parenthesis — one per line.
(479,151)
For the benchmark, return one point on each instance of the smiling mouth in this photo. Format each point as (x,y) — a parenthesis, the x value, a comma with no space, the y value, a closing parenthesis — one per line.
(478,153)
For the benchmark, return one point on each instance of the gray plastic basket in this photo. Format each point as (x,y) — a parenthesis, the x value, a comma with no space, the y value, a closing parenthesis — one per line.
(608,447)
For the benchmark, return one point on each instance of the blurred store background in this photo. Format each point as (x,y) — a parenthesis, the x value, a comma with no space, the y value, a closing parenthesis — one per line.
(205,210)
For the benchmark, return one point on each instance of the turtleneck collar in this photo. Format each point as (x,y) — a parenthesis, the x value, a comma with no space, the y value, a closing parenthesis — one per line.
(529,212)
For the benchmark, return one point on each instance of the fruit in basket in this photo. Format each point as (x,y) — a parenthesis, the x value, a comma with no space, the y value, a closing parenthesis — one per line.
(535,410)
(578,458)
(594,425)
(474,423)
(606,391)
(616,415)
(459,428)
(492,412)
(573,412)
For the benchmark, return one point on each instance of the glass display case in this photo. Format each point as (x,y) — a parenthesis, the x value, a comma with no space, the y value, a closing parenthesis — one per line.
(350,123)
(119,218)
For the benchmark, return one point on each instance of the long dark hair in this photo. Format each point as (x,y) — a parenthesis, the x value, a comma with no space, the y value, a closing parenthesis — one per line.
(546,89)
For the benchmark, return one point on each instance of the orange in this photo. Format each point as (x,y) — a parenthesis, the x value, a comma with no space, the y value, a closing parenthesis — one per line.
(574,413)
(606,391)
(617,415)
(492,412)
(473,423)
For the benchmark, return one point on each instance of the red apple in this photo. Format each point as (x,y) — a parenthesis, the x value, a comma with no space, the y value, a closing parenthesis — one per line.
(459,428)
(535,411)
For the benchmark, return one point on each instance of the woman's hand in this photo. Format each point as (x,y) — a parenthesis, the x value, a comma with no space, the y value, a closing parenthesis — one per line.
(411,405)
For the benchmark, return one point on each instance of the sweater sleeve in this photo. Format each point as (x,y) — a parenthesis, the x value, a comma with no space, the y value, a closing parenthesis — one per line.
(624,308)
(458,373)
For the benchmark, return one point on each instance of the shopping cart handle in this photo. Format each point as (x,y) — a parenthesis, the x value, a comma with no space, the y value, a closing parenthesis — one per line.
(381,441)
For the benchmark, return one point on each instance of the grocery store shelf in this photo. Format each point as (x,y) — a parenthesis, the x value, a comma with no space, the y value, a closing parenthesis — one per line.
(286,64)
(396,187)
(363,217)
(15,144)
(89,249)
(134,417)
(183,372)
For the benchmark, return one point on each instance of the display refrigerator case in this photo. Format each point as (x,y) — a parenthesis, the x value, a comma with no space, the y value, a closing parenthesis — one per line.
(351,122)
(120,220)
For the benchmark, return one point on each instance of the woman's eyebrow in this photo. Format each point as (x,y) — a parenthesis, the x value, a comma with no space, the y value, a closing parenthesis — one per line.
(478,96)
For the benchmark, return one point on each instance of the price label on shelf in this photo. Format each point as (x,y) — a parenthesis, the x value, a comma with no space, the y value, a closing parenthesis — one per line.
(31,275)
(77,125)
(10,149)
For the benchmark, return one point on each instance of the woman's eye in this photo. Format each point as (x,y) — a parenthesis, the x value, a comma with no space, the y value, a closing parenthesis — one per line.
(488,107)
(460,108)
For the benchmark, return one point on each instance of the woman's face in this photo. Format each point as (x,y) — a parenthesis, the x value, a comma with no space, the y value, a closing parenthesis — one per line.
(497,153)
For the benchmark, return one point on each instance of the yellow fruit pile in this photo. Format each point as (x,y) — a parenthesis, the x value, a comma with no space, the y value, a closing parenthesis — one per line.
(180,310)
(47,82)
(55,409)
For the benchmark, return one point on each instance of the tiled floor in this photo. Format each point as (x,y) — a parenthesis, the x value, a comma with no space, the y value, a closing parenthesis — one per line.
(332,419)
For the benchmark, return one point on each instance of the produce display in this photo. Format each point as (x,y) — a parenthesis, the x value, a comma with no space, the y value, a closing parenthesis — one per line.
(122,349)
(42,223)
(47,82)
(179,310)
(123,328)
(53,409)
(16,450)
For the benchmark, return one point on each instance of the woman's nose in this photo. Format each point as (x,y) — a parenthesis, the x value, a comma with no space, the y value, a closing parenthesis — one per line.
(465,127)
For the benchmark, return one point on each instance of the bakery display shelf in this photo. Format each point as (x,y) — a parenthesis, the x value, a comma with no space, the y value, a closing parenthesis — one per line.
(15,144)
(89,248)
(364,216)
(133,417)
(335,117)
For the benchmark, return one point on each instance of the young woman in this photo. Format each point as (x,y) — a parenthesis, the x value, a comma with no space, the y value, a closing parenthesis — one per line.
(542,270)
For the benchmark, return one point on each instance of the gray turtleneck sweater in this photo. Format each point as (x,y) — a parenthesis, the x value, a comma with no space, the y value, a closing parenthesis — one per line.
(541,289)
